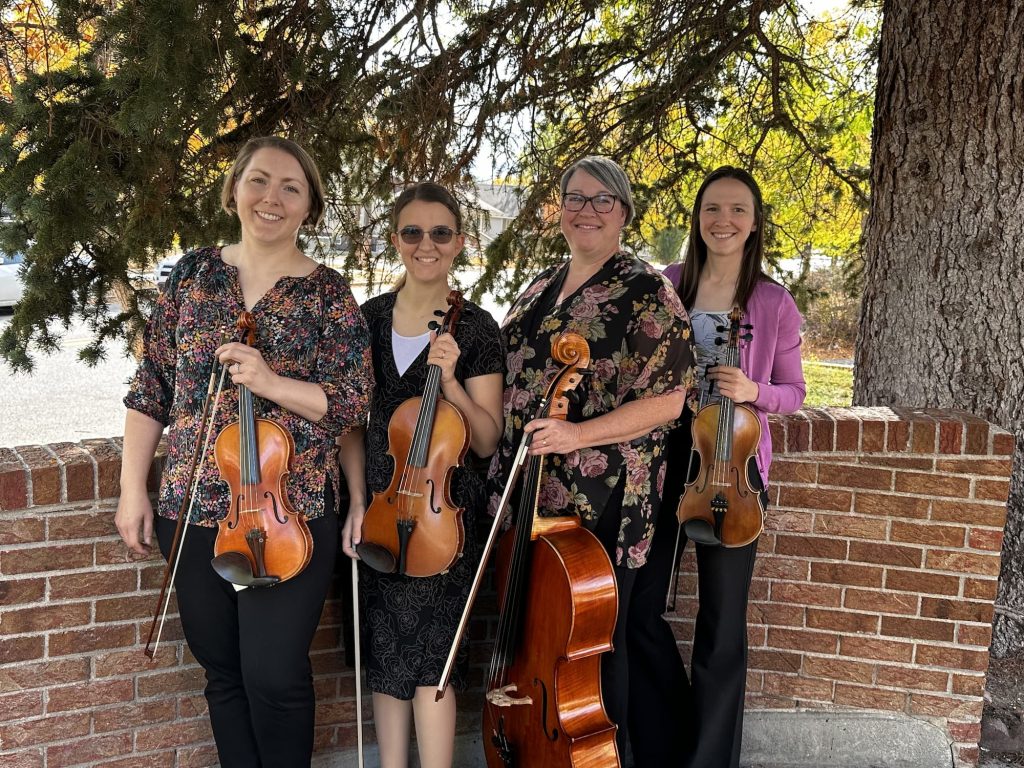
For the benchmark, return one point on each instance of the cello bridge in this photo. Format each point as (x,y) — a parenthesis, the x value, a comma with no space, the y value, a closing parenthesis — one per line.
(499,697)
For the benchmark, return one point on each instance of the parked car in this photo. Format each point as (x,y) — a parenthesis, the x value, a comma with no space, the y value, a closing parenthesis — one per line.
(163,270)
(11,284)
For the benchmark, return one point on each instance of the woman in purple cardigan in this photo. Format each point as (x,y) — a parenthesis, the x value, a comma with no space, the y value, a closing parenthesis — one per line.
(722,269)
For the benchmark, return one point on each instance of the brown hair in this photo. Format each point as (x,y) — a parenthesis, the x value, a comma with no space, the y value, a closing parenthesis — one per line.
(317,197)
(697,250)
(428,192)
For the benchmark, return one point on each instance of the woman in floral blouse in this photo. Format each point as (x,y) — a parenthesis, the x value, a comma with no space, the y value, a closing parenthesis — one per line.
(606,463)
(310,371)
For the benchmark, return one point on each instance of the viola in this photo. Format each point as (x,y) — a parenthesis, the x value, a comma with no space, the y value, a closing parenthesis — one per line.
(558,603)
(413,527)
(721,505)
(262,540)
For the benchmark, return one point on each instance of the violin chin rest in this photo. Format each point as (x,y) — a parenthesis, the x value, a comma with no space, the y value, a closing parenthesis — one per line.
(701,532)
(377,557)
(236,568)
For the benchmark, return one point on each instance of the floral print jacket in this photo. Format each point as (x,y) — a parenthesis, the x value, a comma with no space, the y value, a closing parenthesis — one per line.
(308,328)
(639,341)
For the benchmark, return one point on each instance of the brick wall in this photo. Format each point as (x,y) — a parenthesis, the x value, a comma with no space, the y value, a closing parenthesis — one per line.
(873,590)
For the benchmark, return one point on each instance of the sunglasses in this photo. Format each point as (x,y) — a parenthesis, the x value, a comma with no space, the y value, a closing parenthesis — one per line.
(440,235)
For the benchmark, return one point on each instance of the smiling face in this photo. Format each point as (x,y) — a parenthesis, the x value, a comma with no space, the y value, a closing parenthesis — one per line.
(727,217)
(272,196)
(427,262)
(591,235)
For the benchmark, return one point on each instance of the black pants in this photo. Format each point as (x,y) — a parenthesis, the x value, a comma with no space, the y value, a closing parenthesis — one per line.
(254,646)
(675,721)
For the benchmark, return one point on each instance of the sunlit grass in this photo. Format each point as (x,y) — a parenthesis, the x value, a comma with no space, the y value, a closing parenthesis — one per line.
(827,384)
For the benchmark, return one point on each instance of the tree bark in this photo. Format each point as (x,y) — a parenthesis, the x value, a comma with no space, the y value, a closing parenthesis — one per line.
(941,320)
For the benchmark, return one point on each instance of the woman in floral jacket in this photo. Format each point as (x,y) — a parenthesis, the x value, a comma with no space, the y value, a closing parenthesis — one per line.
(606,461)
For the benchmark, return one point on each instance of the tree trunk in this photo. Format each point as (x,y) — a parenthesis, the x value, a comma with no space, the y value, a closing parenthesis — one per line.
(941,321)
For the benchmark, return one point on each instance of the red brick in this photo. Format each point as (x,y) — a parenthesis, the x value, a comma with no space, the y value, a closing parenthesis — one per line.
(959,659)
(912,678)
(152,760)
(882,601)
(984,538)
(875,649)
(968,685)
(13,486)
(196,706)
(96,638)
(89,525)
(791,569)
(124,608)
(20,649)
(107,458)
(968,513)
(787,471)
(847,574)
(806,594)
(114,552)
(850,526)
(178,734)
(955,609)
(888,505)
(969,732)
(798,433)
(980,589)
(933,485)
(78,471)
(962,562)
(842,621)
(951,436)
(872,436)
(870,698)
(48,558)
(29,758)
(21,591)
(820,547)
(89,750)
(131,661)
(945,706)
(133,715)
(998,468)
(917,629)
(923,435)
(43,730)
(847,430)
(92,584)
(203,757)
(778,434)
(897,461)
(18,677)
(802,688)
(976,635)
(22,530)
(815,498)
(43,618)
(90,695)
(928,533)
(976,441)
(854,476)
(885,554)
(789,522)
(839,669)
(920,581)
(1003,443)
(774,660)
(802,640)
(968,755)
(992,490)
(774,614)
(186,680)
(823,434)
(45,472)
(18,706)
(897,436)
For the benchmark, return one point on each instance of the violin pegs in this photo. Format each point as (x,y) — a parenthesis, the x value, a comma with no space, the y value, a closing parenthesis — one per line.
(439,313)
(433,325)
(747,336)
(747,326)
(720,341)
(721,328)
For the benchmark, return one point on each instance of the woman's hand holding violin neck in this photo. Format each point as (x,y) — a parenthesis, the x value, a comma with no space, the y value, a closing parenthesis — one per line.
(444,353)
(352,532)
(553,436)
(247,366)
(734,384)
(134,521)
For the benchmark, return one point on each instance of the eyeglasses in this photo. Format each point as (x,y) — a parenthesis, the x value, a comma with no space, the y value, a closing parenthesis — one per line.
(601,203)
(440,235)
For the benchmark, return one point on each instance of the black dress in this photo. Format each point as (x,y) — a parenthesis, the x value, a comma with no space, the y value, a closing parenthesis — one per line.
(409,623)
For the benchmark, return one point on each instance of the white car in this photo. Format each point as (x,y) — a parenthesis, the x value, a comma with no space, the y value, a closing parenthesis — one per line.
(163,270)
(11,284)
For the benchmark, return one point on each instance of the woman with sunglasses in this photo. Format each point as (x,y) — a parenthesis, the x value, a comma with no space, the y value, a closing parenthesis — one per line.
(605,461)
(410,622)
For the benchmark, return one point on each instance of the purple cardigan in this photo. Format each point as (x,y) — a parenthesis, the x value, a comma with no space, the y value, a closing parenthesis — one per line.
(771,359)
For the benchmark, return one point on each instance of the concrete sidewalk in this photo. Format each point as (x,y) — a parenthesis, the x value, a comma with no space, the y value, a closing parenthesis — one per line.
(781,740)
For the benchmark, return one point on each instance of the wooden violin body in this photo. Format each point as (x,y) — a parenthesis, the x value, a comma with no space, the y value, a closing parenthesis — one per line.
(721,505)
(414,528)
(262,540)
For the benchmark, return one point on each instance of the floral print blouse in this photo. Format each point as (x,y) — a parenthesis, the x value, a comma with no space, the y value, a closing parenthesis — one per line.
(639,341)
(308,328)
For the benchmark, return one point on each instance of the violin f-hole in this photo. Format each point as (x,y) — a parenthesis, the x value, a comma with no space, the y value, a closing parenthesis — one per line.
(551,735)
(277,513)
(434,506)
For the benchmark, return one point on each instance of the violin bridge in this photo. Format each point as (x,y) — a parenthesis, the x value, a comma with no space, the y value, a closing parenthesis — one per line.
(499,697)
(411,494)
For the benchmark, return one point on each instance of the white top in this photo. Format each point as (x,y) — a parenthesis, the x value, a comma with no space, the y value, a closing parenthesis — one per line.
(407,349)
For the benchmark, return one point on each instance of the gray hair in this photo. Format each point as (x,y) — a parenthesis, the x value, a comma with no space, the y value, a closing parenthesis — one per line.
(610,174)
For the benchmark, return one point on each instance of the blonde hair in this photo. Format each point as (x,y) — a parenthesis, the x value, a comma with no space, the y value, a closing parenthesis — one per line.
(317,197)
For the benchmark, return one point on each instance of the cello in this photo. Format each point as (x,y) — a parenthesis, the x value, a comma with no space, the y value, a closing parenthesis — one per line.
(721,505)
(413,527)
(262,540)
(558,604)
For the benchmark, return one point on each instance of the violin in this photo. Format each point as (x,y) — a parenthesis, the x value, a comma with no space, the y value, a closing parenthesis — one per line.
(413,527)
(721,505)
(558,603)
(262,540)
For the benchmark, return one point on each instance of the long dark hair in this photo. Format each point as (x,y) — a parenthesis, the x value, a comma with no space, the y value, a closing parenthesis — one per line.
(697,250)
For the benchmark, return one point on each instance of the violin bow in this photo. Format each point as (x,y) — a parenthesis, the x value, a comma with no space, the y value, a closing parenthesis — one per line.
(206,422)
(359,668)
